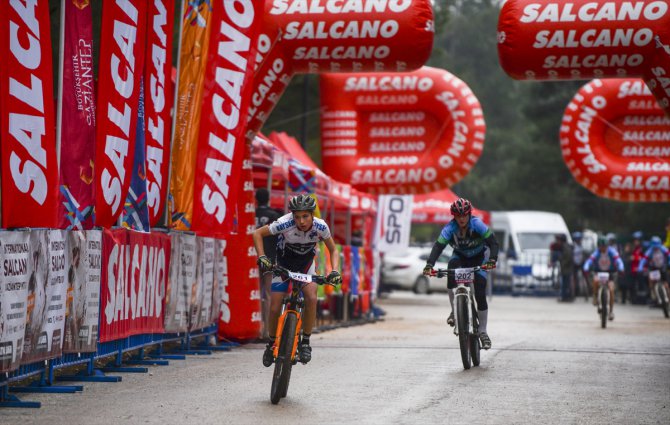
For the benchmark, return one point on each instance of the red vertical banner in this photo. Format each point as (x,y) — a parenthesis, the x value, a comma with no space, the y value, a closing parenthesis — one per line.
(28,143)
(76,118)
(158,98)
(135,267)
(122,49)
(225,105)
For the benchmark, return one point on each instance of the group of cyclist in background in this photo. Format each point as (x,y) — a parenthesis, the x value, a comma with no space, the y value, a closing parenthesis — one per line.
(630,266)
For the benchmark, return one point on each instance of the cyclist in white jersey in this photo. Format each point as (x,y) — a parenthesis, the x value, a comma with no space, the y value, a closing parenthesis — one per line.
(298,233)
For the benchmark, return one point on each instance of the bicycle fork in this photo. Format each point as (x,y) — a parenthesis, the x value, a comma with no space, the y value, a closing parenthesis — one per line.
(460,293)
(280,330)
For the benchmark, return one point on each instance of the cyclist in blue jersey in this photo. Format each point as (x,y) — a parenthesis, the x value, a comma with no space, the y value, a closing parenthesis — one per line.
(469,237)
(657,257)
(298,233)
(604,259)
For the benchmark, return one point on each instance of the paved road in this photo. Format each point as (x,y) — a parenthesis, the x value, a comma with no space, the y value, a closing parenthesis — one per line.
(550,363)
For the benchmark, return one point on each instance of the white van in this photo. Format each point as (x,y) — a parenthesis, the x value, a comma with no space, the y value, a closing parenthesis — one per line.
(524,261)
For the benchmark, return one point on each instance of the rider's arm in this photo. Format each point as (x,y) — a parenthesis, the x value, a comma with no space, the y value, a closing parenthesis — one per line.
(438,247)
(617,259)
(643,260)
(492,243)
(587,263)
(258,236)
(334,255)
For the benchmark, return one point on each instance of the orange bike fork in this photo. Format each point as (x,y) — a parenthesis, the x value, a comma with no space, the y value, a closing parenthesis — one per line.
(280,329)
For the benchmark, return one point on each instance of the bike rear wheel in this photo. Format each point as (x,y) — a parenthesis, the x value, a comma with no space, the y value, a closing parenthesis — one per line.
(463,335)
(283,364)
(604,306)
(475,346)
(663,296)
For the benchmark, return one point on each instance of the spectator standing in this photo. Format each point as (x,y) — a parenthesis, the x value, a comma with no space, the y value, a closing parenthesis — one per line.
(578,257)
(633,277)
(264,216)
(667,233)
(564,256)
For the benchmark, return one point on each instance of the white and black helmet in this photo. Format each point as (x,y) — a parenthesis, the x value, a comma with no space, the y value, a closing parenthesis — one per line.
(302,203)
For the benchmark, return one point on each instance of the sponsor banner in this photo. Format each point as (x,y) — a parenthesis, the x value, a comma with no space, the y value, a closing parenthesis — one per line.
(196,26)
(394,221)
(158,101)
(615,141)
(135,215)
(180,281)
(28,149)
(83,291)
(15,254)
(318,36)
(47,289)
(228,84)
(413,132)
(240,308)
(202,308)
(580,39)
(122,49)
(220,281)
(76,136)
(134,278)
(658,78)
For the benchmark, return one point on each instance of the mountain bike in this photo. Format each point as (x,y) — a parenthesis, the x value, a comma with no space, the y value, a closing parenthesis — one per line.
(661,290)
(288,329)
(465,312)
(603,279)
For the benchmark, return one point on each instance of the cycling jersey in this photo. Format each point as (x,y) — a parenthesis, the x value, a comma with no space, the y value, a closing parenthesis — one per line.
(295,248)
(474,241)
(608,261)
(658,258)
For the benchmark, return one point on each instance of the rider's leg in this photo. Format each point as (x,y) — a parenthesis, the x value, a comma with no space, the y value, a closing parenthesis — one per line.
(276,299)
(611,289)
(454,263)
(594,284)
(482,304)
(309,315)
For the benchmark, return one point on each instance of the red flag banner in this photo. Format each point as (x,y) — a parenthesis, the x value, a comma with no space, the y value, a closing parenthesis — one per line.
(134,278)
(29,168)
(122,47)
(76,118)
(225,105)
(158,98)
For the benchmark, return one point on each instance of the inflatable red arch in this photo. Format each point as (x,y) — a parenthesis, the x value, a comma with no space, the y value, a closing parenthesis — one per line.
(584,39)
(616,141)
(315,36)
(411,132)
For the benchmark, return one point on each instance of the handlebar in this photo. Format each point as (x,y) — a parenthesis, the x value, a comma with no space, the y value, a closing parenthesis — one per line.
(446,272)
(278,270)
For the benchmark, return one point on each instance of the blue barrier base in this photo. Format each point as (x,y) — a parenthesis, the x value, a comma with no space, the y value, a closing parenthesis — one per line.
(40,388)
(195,352)
(124,369)
(10,400)
(168,356)
(96,376)
(155,362)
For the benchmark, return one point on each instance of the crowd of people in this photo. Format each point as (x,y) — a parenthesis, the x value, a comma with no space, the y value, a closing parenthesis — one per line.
(628,258)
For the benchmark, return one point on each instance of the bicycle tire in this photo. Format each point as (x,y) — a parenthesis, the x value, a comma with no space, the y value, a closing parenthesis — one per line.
(604,305)
(475,345)
(463,336)
(283,364)
(664,300)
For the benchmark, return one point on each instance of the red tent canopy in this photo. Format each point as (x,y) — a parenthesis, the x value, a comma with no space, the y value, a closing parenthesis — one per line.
(435,207)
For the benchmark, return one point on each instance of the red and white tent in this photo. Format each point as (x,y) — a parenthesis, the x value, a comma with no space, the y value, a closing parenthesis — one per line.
(434,208)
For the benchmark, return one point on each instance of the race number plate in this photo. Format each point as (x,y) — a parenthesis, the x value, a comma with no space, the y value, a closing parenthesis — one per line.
(300,277)
(603,277)
(464,276)
(655,275)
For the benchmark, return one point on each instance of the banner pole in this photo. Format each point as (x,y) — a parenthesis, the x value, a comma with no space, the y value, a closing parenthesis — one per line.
(166,221)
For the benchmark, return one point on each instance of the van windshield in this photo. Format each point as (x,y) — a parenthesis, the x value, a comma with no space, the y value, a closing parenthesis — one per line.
(535,240)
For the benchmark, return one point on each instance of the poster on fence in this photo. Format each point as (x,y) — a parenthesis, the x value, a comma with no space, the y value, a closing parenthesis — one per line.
(135,267)
(205,276)
(181,277)
(15,254)
(220,278)
(47,290)
(83,291)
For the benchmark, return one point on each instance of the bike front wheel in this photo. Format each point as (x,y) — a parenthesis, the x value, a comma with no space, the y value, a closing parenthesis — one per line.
(475,346)
(284,362)
(463,328)
(663,297)
(604,306)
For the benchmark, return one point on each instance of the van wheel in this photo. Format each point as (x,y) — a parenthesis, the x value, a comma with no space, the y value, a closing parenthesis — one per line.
(421,286)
